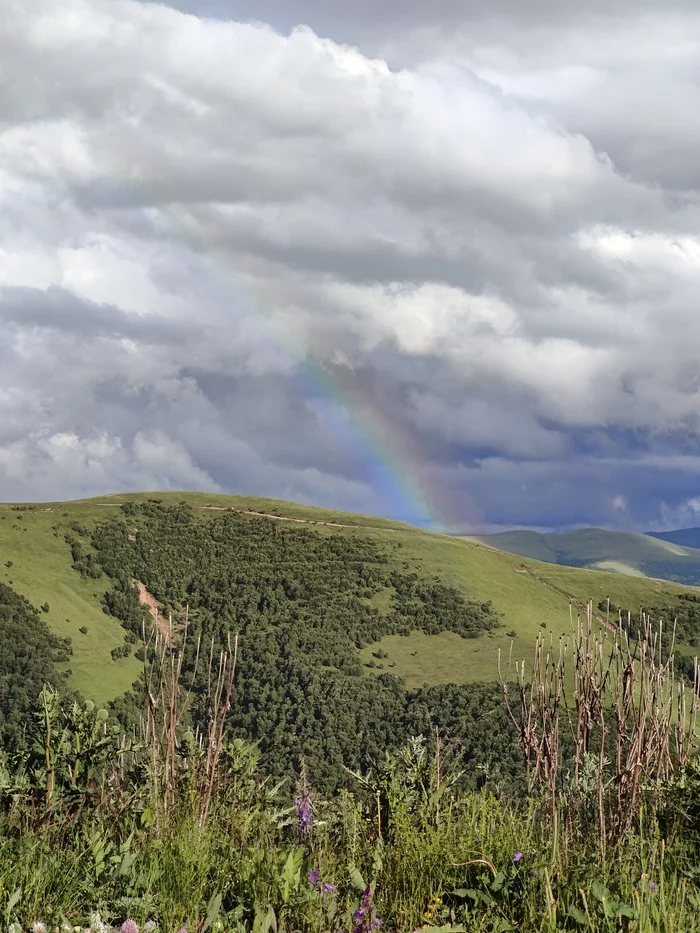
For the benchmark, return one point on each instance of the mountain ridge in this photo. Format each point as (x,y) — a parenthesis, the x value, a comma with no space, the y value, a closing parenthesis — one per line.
(660,556)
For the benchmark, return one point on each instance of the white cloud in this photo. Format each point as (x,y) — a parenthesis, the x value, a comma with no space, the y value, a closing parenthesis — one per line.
(188,206)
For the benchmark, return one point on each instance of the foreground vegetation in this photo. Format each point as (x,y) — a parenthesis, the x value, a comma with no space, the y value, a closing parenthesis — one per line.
(284,761)
(176,826)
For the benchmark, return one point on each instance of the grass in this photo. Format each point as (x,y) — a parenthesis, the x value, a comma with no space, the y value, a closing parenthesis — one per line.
(41,571)
(530,596)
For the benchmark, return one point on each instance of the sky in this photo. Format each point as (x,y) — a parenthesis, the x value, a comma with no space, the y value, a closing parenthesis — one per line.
(439,261)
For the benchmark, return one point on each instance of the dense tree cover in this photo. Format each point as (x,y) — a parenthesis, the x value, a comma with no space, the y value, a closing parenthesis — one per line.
(29,655)
(303,602)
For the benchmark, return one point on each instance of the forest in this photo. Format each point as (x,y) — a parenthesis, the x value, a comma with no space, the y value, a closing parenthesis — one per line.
(30,657)
(302,604)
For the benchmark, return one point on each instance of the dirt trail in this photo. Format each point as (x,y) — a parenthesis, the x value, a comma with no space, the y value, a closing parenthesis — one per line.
(224,508)
(279,518)
(147,599)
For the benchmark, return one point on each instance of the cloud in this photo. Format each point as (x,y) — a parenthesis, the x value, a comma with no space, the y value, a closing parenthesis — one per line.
(215,233)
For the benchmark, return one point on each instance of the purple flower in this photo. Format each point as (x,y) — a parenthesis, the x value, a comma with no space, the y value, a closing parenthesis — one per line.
(129,926)
(517,856)
(329,888)
(652,887)
(365,918)
(303,805)
(313,878)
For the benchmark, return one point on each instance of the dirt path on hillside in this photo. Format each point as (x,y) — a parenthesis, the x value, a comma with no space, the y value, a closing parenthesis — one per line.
(279,518)
(149,600)
(224,508)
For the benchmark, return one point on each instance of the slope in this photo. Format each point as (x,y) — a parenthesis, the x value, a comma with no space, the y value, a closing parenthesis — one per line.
(528,595)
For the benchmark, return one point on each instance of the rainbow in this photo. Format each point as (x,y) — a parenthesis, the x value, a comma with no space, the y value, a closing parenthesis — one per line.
(388,457)
(384,452)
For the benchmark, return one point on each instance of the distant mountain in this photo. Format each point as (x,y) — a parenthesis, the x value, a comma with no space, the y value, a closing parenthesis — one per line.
(686,537)
(666,556)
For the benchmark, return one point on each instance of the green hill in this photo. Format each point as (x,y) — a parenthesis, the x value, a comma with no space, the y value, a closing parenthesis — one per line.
(686,537)
(527,595)
(618,552)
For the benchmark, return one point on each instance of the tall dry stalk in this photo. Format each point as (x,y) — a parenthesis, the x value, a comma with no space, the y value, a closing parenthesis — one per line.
(168,704)
(220,703)
(632,721)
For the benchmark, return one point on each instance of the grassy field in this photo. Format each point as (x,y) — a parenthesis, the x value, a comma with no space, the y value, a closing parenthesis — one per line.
(529,596)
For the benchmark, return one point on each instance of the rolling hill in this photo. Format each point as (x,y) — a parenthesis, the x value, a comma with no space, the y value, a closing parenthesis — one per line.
(527,595)
(641,555)
(686,537)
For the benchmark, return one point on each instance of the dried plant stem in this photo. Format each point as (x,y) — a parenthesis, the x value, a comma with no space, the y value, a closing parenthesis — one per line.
(628,712)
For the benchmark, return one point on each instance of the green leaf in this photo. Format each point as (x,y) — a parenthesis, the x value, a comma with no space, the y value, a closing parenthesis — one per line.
(146,819)
(291,873)
(263,923)
(600,891)
(577,914)
(212,912)
(358,881)
(14,898)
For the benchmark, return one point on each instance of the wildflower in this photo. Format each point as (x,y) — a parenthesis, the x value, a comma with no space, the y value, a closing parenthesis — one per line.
(38,927)
(435,902)
(652,887)
(129,926)
(97,924)
(329,888)
(303,805)
(364,918)
(313,877)
(517,856)
(182,930)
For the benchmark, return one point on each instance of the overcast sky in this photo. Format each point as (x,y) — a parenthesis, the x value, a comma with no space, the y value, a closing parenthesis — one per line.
(405,258)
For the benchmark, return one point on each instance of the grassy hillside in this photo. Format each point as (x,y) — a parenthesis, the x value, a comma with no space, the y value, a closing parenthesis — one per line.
(618,552)
(528,595)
